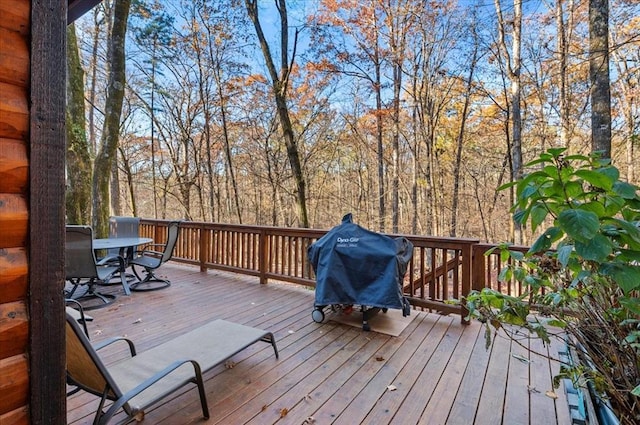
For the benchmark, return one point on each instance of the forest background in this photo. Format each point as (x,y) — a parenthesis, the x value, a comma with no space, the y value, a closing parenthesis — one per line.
(406,113)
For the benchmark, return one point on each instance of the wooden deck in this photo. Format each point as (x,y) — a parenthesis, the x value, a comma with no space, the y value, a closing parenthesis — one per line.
(329,373)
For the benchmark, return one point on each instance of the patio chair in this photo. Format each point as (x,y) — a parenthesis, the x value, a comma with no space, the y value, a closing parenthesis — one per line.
(123,227)
(151,258)
(131,384)
(144,379)
(82,269)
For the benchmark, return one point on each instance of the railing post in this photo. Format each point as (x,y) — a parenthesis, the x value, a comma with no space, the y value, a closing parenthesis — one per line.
(467,276)
(205,240)
(263,253)
(479,268)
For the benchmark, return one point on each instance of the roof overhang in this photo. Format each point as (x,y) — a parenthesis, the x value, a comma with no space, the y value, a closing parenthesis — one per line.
(77,8)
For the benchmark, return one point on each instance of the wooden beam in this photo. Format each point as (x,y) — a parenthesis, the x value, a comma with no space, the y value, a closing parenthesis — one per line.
(47,400)
(77,8)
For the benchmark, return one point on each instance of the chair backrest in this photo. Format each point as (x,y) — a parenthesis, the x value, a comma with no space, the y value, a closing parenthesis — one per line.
(84,367)
(80,259)
(172,237)
(123,227)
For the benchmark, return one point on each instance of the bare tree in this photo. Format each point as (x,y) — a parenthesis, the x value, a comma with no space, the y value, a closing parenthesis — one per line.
(473,62)
(280,83)
(513,64)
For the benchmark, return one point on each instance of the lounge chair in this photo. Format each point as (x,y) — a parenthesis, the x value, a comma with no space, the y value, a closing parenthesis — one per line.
(82,269)
(151,258)
(142,380)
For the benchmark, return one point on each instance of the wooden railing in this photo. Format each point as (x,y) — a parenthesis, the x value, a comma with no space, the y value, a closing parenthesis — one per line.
(441,271)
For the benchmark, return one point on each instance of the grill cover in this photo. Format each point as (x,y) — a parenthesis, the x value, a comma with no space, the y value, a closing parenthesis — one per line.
(354,265)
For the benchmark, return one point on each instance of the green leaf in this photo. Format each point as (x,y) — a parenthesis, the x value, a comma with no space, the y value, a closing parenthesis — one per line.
(595,207)
(527,192)
(505,275)
(627,277)
(629,255)
(556,152)
(625,190)
(544,242)
(564,254)
(504,255)
(610,171)
(631,303)
(516,255)
(576,158)
(596,249)
(636,391)
(543,158)
(557,323)
(507,185)
(596,179)
(538,214)
(613,204)
(629,228)
(551,171)
(521,216)
(579,224)
(573,189)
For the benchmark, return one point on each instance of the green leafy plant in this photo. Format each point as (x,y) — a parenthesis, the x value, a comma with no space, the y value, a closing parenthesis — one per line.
(581,275)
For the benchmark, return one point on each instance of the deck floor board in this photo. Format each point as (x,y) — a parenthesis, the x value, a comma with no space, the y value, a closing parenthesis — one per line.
(333,373)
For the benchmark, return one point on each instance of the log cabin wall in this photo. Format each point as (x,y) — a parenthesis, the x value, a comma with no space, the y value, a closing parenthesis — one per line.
(14,185)
(32,97)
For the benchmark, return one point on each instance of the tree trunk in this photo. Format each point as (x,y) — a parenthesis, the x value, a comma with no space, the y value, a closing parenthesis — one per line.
(380,150)
(227,144)
(280,85)
(78,158)
(453,229)
(113,111)
(513,63)
(599,76)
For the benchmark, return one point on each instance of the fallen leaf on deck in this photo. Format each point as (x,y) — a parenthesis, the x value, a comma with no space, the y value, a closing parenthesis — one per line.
(391,387)
(380,358)
(284,412)
(229,364)
(532,389)
(307,397)
(521,358)
(551,394)
(263,408)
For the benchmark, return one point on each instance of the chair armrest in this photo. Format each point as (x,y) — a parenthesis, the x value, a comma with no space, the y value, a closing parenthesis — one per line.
(111,259)
(102,344)
(150,246)
(152,380)
(149,252)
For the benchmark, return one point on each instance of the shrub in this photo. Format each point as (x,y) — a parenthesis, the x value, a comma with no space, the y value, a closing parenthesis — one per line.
(581,276)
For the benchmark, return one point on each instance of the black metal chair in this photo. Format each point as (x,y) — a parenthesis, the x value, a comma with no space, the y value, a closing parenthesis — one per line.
(82,269)
(151,258)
